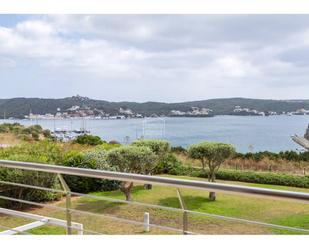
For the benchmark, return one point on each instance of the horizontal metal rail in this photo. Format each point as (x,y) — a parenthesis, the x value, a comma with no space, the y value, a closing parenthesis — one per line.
(178,183)
(24,228)
(14,230)
(301,141)
(47,220)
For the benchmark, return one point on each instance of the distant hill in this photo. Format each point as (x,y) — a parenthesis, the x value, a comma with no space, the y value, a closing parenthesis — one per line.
(19,107)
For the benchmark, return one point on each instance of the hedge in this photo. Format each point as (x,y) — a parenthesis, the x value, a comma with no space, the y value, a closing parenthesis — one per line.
(247,176)
(40,152)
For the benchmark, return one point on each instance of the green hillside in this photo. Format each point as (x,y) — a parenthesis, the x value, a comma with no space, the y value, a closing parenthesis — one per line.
(19,107)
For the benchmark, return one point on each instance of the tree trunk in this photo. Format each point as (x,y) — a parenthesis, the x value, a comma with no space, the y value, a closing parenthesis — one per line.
(203,165)
(212,178)
(19,197)
(125,188)
(147,186)
(212,196)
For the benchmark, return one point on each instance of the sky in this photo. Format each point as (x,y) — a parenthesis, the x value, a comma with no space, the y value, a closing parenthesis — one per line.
(168,58)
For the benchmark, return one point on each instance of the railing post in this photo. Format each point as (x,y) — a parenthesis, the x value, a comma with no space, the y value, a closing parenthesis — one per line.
(185,222)
(68,213)
(146,222)
(80,230)
(67,204)
(184,214)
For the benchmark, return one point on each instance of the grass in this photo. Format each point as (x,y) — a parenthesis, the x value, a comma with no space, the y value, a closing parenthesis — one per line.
(280,212)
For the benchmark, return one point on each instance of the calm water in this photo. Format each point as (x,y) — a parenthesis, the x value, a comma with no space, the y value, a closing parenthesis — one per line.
(245,133)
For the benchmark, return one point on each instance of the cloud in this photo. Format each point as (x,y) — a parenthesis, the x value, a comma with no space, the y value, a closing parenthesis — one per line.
(7,63)
(158,57)
(232,66)
(35,29)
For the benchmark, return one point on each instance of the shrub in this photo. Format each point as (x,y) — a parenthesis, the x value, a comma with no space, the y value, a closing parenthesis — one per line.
(15,128)
(40,152)
(168,163)
(107,146)
(47,134)
(286,155)
(42,179)
(304,156)
(36,128)
(265,178)
(179,150)
(247,176)
(88,139)
(114,142)
(24,137)
(29,133)
(90,160)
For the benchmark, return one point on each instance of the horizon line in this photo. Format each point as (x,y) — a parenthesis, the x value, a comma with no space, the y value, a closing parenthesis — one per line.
(153,101)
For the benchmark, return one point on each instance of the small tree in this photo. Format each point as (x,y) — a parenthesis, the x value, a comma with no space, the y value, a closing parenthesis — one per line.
(160,148)
(131,159)
(211,154)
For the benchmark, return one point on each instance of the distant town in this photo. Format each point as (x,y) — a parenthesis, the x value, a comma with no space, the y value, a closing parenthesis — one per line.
(89,113)
(85,112)
(76,107)
(76,112)
(238,110)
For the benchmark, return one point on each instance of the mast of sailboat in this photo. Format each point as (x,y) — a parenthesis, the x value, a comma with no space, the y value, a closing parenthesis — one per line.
(71,125)
(54,122)
(30,115)
(83,128)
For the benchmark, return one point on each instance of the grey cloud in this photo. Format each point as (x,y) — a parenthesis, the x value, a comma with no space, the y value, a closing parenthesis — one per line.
(156,57)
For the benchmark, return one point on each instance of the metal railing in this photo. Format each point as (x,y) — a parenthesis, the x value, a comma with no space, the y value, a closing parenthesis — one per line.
(39,221)
(165,181)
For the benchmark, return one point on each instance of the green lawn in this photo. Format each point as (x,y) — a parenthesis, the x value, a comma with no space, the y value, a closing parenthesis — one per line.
(280,212)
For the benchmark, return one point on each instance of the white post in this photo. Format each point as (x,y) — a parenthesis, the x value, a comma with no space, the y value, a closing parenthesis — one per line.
(146,222)
(80,230)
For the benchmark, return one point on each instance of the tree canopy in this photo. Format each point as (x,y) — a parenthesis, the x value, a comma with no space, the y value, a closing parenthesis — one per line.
(159,147)
(212,154)
(132,159)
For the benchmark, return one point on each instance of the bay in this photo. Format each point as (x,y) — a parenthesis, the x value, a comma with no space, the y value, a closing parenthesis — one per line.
(246,133)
